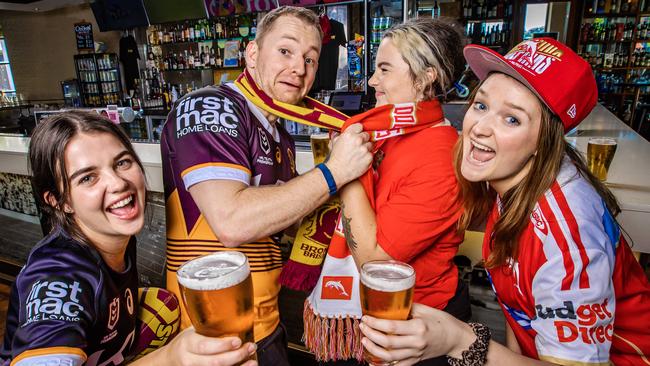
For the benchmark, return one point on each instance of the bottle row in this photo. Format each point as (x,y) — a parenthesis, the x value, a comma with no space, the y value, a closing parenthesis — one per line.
(164,95)
(91,76)
(379,26)
(611,31)
(101,100)
(104,62)
(615,6)
(232,55)
(202,30)
(106,87)
(609,83)
(608,60)
(619,58)
(487,9)
(488,34)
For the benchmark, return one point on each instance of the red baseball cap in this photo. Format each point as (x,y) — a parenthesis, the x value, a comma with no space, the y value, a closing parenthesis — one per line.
(550,69)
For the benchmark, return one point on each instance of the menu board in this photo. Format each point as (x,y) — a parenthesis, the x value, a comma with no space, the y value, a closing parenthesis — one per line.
(84,35)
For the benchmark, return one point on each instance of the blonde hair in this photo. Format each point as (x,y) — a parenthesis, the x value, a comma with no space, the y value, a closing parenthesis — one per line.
(430,43)
(266,24)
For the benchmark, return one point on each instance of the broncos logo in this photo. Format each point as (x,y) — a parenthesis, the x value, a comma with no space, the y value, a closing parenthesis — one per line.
(114,313)
(321,227)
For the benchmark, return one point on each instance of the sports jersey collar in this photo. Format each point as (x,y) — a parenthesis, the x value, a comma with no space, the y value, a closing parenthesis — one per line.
(270,128)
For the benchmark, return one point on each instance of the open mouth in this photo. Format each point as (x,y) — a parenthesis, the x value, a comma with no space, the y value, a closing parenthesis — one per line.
(125,208)
(480,153)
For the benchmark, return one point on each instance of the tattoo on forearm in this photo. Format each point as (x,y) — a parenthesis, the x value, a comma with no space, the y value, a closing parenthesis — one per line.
(347,230)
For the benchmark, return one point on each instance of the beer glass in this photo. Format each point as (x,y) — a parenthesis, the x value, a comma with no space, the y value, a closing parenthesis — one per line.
(600,153)
(218,294)
(386,292)
(320,146)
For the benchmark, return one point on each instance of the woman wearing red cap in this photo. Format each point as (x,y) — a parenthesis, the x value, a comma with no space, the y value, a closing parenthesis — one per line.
(568,284)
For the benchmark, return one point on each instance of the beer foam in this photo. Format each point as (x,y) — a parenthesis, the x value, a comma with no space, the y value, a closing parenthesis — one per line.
(214,271)
(602,141)
(320,136)
(387,276)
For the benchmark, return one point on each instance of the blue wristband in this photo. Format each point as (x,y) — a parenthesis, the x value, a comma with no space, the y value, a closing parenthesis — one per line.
(331,184)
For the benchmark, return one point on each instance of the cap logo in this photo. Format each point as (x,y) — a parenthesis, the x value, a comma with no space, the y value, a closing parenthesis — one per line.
(572,111)
(534,56)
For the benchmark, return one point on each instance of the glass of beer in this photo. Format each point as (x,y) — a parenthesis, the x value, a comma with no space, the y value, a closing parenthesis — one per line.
(320,146)
(600,153)
(387,293)
(218,294)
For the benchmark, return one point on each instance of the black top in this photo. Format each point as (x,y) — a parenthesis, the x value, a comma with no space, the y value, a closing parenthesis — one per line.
(67,296)
(328,62)
(129,56)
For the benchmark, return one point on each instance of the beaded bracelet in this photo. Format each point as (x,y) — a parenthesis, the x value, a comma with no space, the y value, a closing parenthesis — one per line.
(476,355)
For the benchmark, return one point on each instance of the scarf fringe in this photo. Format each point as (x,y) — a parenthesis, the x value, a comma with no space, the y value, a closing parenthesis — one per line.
(299,276)
(332,339)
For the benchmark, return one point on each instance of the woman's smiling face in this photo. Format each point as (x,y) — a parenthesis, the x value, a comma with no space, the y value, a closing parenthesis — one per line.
(107,187)
(500,133)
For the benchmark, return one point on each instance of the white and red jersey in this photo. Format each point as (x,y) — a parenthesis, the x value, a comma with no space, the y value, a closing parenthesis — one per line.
(575,294)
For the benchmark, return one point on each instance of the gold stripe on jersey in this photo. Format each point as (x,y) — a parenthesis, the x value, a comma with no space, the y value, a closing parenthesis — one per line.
(186,242)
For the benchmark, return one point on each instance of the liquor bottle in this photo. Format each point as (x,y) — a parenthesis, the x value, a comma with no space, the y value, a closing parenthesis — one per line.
(233,27)
(197,60)
(166,98)
(190,60)
(205,59)
(242,54)
(213,58)
(174,62)
(198,33)
(174,94)
(219,29)
(254,28)
(482,34)
(219,62)
(159,34)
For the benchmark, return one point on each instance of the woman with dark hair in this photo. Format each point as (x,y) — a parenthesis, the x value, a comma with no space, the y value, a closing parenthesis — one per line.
(570,289)
(406,207)
(75,300)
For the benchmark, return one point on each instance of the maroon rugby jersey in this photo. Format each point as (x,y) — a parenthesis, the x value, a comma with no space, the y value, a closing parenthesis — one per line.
(214,133)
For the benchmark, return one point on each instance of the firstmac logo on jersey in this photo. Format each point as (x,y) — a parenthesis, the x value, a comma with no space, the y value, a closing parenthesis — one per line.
(580,324)
(53,300)
(206,114)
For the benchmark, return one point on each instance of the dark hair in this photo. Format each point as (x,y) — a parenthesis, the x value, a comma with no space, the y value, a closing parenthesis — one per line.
(436,43)
(47,157)
(518,202)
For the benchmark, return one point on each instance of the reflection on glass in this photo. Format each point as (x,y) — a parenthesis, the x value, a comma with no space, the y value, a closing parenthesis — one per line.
(549,19)
(6,79)
(535,19)
(3,52)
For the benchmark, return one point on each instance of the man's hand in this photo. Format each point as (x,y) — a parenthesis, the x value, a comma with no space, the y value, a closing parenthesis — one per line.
(351,154)
(191,349)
